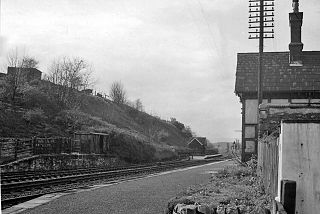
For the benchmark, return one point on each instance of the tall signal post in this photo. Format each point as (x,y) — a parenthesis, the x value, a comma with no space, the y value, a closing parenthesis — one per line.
(261,26)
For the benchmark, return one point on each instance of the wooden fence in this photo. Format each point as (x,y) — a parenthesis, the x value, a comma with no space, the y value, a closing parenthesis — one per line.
(12,149)
(55,146)
(268,162)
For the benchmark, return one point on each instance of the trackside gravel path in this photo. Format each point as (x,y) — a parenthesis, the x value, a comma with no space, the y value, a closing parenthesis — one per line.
(147,195)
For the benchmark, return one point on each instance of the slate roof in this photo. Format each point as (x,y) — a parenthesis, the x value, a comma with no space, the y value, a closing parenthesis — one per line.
(278,75)
(201,140)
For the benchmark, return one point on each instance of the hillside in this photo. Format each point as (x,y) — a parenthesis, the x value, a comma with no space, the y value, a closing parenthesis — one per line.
(129,119)
(36,112)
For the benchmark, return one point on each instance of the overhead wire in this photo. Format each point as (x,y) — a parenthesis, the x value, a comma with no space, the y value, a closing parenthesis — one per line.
(213,47)
(207,23)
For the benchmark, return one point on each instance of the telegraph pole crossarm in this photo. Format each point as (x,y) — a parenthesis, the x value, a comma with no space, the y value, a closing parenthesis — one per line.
(261,26)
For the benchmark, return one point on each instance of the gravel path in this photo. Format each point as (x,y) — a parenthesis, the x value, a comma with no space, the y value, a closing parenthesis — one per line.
(147,195)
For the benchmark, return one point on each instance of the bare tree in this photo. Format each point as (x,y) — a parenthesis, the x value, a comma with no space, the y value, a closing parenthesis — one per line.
(16,79)
(69,74)
(16,59)
(13,58)
(29,62)
(131,104)
(117,93)
(138,105)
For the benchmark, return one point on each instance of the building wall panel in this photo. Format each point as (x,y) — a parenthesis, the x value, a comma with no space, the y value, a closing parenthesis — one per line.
(251,111)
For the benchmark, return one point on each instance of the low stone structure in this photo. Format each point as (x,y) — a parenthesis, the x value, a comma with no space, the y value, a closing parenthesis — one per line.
(61,162)
(186,205)
(193,209)
(28,74)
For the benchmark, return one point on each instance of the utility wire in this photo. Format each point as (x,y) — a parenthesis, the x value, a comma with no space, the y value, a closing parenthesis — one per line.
(207,23)
(195,23)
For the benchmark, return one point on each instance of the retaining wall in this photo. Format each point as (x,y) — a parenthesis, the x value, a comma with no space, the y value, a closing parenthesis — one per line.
(62,161)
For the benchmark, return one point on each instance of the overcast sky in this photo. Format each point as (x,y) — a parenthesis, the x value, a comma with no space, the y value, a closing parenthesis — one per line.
(177,56)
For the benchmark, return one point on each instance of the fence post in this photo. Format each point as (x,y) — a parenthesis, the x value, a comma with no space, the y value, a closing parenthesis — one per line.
(288,196)
(15,149)
(33,146)
(60,141)
(71,145)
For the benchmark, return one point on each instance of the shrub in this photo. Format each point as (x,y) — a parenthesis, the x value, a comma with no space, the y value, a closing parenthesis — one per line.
(131,149)
(239,171)
(34,116)
(3,89)
(73,120)
(163,136)
(34,98)
(164,153)
(252,165)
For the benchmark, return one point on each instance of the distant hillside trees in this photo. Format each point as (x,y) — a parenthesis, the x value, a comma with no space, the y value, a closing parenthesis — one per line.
(138,105)
(186,130)
(70,74)
(15,59)
(117,93)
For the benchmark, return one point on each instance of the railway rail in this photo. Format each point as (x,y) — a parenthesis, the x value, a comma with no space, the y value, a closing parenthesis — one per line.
(9,177)
(17,187)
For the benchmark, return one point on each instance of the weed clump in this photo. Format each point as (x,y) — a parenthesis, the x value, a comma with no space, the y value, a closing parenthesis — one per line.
(234,188)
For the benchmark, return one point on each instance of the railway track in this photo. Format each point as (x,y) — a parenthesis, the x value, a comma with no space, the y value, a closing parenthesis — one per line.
(17,187)
(10,177)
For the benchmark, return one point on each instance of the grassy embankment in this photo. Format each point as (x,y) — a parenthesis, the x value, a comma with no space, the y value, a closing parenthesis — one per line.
(137,136)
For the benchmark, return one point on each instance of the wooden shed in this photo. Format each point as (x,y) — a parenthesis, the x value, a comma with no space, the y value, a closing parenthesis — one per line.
(93,142)
(198,144)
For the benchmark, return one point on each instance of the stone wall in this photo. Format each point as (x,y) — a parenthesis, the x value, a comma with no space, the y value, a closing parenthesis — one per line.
(62,161)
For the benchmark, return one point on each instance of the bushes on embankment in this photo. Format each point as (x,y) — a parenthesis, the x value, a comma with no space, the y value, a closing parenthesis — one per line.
(134,150)
(139,137)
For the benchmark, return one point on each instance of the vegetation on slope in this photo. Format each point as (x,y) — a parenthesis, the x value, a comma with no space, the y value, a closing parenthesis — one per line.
(56,106)
(35,112)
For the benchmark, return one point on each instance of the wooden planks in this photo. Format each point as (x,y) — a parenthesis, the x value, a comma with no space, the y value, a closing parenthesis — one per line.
(268,163)
(300,162)
(12,149)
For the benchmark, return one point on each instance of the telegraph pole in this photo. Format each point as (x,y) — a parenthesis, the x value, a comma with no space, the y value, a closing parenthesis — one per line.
(0,18)
(261,26)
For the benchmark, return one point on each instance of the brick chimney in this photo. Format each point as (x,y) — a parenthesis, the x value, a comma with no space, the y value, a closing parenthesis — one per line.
(296,45)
